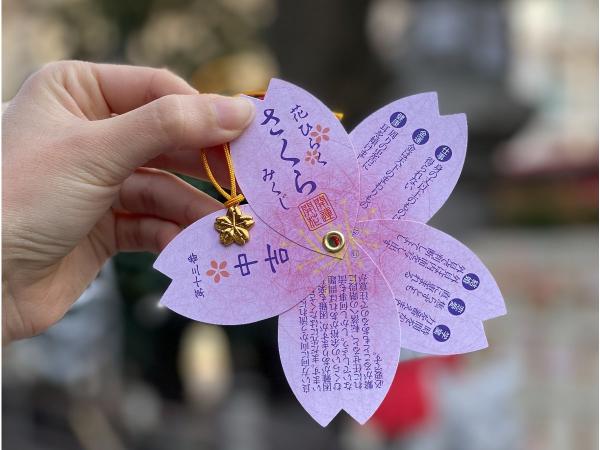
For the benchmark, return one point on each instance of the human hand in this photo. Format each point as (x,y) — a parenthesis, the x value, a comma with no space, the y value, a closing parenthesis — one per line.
(84,151)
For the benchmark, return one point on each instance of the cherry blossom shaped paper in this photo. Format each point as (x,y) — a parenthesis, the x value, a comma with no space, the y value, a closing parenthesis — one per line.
(410,158)
(235,284)
(295,166)
(342,312)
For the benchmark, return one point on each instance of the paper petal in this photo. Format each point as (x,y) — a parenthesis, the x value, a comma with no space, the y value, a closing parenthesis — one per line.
(236,284)
(410,158)
(339,347)
(297,192)
(442,290)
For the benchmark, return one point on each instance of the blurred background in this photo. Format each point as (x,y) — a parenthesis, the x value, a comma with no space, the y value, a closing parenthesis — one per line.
(121,373)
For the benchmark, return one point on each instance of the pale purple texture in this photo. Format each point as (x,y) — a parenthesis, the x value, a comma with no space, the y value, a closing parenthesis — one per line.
(236,299)
(406,270)
(425,269)
(391,171)
(359,393)
(257,152)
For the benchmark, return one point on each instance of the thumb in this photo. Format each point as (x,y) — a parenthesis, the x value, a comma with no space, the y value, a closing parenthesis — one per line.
(169,123)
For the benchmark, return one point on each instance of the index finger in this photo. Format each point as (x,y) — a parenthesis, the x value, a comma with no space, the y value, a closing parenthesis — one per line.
(189,162)
(128,87)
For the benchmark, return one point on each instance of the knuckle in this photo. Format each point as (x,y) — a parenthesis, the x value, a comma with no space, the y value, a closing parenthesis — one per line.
(53,67)
(60,67)
(148,199)
(209,111)
(159,76)
(169,118)
(163,73)
(206,115)
(57,70)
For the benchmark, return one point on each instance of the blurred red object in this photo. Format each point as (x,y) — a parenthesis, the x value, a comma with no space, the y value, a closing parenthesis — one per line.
(410,402)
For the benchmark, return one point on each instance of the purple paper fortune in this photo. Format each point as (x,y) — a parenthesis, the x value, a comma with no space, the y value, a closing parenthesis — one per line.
(410,158)
(342,313)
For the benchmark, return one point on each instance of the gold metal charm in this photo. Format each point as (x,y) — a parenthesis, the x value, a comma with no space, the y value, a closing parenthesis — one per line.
(234,226)
(334,241)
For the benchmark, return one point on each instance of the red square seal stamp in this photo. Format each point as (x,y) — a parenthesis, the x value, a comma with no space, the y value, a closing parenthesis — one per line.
(317,211)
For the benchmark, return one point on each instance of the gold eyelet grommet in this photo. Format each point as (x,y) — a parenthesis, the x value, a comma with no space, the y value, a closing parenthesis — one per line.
(334,241)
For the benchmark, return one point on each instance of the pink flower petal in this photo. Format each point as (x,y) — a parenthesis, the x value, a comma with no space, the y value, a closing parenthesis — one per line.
(210,272)
(224,273)
(325,130)
(384,340)
(233,299)
(325,137)
(318,128)
(214,264)
(217,278)
(395,196)
(223,264)
(342,195)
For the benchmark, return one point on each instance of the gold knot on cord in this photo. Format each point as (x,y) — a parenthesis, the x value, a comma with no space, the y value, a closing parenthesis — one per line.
(234,201)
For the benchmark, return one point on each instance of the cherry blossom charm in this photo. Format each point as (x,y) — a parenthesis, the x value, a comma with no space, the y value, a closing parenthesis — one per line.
(340,250)
(234,226)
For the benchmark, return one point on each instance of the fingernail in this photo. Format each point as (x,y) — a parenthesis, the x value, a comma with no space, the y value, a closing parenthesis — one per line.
(233,113)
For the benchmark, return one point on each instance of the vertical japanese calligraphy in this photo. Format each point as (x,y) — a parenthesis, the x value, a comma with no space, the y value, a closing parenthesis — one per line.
(271,121)
(335,351)
(410,158)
